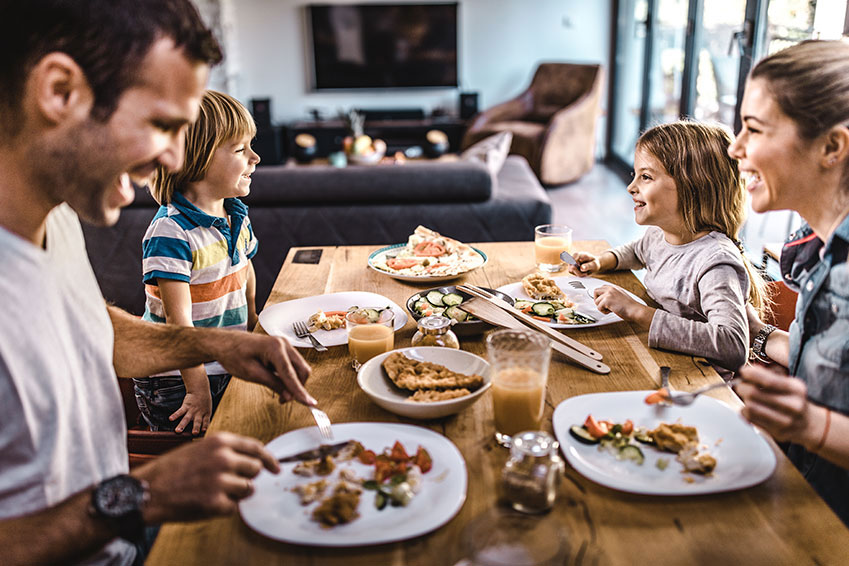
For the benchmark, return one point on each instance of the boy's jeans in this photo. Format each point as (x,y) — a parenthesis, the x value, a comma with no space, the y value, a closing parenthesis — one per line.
(159,397)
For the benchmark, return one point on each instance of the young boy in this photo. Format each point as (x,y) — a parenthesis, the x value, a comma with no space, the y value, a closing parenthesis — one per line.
(196,258)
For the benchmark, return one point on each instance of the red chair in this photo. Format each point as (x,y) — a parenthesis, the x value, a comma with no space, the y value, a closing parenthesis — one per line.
(144,444)
(783,305)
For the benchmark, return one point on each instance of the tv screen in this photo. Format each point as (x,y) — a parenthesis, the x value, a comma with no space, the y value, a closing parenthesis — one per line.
(384,45)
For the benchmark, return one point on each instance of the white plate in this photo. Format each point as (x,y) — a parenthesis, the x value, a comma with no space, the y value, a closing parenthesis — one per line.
(743,456)
(374,382)
(277,319)
(419,278)
(581,297)
(276,512)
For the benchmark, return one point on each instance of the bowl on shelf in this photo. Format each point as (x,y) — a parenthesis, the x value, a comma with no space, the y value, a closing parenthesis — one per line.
(374,382)
(465,328)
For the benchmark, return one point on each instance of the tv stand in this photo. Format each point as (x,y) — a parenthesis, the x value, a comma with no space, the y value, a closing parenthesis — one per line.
(398,134)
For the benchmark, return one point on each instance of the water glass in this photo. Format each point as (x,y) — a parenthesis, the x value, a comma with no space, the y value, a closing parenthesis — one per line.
(519,360)
(550,240)
(502,538)
(369,336)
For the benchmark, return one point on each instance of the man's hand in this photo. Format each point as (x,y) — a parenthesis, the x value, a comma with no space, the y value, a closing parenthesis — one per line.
(196,411)
(267,360)
(613,299)
(205,478)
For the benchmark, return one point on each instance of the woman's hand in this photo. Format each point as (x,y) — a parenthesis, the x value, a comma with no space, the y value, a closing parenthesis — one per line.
(196,411)
(778,404)
(613,299)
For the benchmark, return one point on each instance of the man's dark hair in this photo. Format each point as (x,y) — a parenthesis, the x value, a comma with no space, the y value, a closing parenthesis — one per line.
(108,39)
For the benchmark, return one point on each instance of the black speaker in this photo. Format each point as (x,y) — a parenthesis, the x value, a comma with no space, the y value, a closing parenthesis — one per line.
(468,104)
(267,145)
(261,110)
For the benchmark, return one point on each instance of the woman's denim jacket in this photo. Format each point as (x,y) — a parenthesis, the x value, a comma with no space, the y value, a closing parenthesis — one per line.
(819,343)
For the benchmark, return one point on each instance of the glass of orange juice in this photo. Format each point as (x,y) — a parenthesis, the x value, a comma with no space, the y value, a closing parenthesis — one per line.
(550,240)
(370,332)
(519,360)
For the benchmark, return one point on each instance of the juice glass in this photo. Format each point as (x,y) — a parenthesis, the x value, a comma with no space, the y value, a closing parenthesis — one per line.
(519,360)
(370,332)
(550,240)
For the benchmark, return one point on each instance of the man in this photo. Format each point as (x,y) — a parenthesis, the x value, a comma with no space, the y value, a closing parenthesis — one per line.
(96,94)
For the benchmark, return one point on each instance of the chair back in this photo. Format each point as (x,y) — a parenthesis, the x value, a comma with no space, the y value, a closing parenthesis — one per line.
(783,305)
(556,85)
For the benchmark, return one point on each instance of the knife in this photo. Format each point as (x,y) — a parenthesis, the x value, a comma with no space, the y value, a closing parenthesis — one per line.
(315,453)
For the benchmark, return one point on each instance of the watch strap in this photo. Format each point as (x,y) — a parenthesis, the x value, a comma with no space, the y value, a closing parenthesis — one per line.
(759,343)
(128,524)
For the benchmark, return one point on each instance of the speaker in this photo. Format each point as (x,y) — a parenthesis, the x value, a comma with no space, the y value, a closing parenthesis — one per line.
(267,145)
(261,110)
(468,104)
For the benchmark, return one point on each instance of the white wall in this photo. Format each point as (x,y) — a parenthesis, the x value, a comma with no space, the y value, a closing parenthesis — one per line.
(500,44)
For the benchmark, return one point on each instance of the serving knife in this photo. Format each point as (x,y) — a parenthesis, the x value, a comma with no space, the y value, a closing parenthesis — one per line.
(315,453)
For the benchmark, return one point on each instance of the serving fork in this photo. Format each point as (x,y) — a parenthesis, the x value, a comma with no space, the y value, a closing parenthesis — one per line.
(683,398)
(301,331)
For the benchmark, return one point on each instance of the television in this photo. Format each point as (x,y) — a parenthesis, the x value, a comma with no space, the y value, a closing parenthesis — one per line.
(374,46)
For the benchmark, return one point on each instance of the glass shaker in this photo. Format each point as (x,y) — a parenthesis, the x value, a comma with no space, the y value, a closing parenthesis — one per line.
(435,331)
(531,475)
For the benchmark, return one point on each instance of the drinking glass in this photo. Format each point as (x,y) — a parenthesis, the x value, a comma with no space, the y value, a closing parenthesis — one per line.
(501,538)
(368,337)
(519,360)
(550,240)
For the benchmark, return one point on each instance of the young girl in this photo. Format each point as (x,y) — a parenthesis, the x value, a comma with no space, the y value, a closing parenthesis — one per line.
(196,258)
(688,190)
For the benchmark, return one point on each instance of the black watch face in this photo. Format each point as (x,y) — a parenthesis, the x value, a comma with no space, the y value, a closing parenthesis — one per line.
(119,496)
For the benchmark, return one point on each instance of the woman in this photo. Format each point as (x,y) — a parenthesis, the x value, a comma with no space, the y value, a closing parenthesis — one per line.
(794,153)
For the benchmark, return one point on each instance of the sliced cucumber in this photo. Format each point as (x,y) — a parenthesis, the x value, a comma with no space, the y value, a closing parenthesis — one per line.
(455,313)
(631,452)
(582,435)
(372,314)
(543,309)
(452,299)
(420,305)
(644,438)
(522,305)
(435,298)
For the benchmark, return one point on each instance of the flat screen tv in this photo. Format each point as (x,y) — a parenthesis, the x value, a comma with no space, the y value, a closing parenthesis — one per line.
(375,46)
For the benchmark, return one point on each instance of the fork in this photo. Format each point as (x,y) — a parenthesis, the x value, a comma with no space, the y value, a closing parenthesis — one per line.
(301,331)
(664,377)
(322,421)
(576,284)
(684,399)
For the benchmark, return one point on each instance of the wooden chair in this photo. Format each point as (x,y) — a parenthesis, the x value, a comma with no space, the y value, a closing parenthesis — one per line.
(144,444)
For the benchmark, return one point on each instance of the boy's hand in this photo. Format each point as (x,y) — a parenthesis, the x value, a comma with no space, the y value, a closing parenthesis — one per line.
(195,410)
(615,300)
(587,264)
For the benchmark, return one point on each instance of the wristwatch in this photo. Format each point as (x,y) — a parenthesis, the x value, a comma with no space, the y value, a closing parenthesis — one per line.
(759,343)
(119,501)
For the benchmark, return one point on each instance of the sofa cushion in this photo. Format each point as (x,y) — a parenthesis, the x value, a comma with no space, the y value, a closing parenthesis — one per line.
(491,151)
(412,182)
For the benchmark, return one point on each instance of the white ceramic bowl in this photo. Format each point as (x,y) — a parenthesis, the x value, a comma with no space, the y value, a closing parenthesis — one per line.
(376,384)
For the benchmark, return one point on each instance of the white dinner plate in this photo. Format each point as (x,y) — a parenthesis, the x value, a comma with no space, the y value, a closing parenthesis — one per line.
(581,297)
(419,278)
(275,511)
(743,457)
(277,319)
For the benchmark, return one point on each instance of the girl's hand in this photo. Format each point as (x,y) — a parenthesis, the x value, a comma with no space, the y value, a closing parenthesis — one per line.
(778,404)
(613,299)
(587,264)
(195,410)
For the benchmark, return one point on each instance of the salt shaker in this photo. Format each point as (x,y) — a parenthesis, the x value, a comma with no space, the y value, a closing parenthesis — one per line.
(531,475)
(435,331)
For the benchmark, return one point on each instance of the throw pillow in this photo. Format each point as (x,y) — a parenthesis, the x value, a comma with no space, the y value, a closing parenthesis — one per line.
(491,151)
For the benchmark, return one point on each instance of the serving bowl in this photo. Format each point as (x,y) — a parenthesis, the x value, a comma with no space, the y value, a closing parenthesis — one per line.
(373,380)
(466,328)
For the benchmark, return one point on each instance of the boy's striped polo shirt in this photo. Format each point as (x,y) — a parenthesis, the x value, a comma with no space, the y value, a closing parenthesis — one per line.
(184,243)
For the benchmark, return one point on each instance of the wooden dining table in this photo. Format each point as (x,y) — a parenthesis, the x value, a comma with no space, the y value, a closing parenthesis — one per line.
(780,521)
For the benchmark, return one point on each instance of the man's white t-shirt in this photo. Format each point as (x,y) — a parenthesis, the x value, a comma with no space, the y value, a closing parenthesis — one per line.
(62,423)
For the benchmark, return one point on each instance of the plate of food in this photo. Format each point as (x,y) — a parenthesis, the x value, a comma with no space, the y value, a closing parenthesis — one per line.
(617,440)
(427,257)
(425,382)
(562,302)
(446,301)
(324,316)
(395,483)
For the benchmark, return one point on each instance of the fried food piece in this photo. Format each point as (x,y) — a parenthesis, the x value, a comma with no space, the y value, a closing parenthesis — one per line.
(431,395)
(309,492)
(542,288)
(415,375)
(309,468)
(320,321)
(693,461)
(674,437)
(339,508)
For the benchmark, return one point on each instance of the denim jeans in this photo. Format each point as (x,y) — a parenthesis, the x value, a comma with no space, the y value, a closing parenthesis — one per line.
(159,397)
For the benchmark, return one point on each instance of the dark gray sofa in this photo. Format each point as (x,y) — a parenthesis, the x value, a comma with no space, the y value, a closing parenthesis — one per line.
(325,206)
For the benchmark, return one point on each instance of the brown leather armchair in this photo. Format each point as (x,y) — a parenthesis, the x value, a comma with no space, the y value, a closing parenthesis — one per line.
(553,121)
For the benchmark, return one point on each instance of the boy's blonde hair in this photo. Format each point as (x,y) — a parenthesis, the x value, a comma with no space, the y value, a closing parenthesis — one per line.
(222,118)
(711,195)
